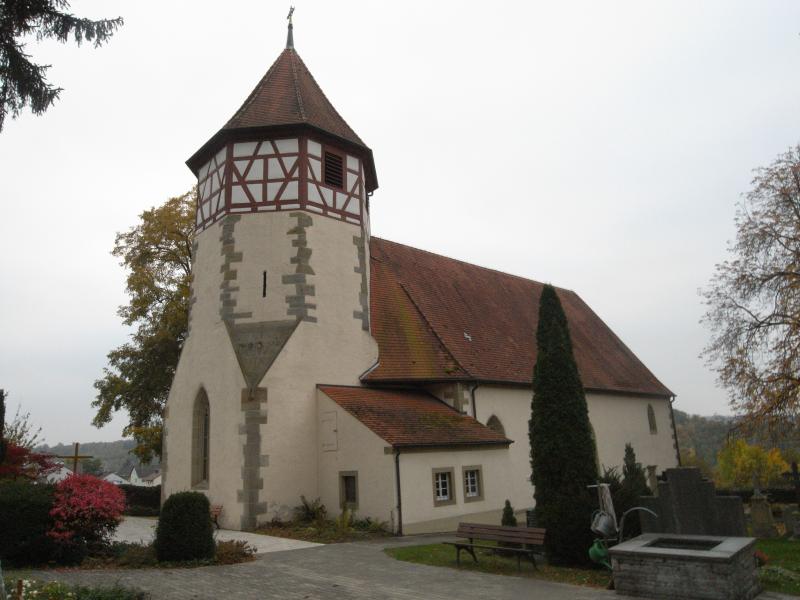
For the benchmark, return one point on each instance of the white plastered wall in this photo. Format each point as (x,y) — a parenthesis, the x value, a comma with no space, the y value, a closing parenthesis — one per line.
(616,419)
(355,448)
(334,350)
(420,513)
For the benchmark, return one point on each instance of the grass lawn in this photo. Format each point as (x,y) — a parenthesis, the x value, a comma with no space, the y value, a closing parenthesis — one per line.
(441,555)
(782,572)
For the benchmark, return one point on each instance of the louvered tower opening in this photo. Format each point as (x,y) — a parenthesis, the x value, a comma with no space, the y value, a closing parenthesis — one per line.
(334,175)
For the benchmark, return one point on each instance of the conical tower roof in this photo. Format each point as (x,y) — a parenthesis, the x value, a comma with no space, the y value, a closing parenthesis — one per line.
(288,100)
(289,95)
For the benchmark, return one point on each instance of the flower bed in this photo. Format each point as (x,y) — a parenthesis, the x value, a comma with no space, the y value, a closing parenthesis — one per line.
(58,591)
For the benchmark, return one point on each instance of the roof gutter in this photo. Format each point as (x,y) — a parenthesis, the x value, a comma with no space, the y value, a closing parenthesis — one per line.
(399,494)
(472,394)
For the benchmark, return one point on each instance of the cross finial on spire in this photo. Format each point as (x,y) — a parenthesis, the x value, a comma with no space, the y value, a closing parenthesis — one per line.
(289,36)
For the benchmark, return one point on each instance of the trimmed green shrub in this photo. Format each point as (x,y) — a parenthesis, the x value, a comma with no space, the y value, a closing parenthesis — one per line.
(508,520)
(563,455)
(24,522)
(185,531)
(634,486)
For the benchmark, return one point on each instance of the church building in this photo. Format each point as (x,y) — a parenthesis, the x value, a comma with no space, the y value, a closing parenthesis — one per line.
(322,361)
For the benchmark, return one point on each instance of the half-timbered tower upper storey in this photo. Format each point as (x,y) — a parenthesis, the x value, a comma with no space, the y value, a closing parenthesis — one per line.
(286,148)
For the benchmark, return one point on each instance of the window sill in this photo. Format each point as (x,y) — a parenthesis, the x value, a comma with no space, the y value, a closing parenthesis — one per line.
(473,498)
(203,485)
(437,503)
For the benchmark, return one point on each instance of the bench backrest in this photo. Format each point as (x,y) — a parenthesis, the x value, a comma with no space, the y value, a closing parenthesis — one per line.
(498,533)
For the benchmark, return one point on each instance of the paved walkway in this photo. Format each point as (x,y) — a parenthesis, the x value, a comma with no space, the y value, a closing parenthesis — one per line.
(141,529)
(359,571)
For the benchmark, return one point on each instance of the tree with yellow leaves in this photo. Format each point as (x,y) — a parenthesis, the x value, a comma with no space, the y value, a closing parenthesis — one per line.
(157,254)
(741,465)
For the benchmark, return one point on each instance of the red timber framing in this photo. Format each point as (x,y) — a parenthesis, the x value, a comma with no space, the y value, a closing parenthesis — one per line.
(278,174)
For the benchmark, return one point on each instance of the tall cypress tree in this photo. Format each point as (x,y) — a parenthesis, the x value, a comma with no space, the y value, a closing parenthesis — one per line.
(563,454)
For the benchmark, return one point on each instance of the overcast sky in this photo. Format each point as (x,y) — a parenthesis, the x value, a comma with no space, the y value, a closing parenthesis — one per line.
(600,146)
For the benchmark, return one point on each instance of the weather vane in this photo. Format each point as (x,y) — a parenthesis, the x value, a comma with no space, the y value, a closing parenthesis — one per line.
(289,36)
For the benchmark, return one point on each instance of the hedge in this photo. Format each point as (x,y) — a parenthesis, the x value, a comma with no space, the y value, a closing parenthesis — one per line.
(142,501)
(24,522)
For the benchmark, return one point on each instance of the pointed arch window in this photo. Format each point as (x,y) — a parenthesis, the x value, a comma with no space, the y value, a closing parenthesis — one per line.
(495,425)
(651,419)
(201,440)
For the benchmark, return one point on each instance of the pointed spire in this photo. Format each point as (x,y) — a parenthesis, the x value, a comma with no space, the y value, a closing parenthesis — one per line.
(290,36)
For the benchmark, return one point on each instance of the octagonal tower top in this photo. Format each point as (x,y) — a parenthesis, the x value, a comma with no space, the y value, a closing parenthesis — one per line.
(288,102)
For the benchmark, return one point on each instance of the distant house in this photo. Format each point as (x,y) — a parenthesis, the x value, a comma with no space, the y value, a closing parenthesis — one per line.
(115,479)
(59,474)
(143,475)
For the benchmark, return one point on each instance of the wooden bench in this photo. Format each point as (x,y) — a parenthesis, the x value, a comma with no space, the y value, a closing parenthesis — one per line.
(216,511)
(530,540)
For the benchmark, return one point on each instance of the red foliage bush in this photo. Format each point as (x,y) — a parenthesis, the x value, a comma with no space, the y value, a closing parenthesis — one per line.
(86,509)
(22,462)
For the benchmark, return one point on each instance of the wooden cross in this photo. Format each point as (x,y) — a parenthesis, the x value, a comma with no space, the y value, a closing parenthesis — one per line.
(75,458)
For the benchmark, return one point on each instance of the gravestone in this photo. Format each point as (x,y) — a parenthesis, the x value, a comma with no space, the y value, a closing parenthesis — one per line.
(793,476)
(652,479)
(686,503)
(761,517)
(791,521)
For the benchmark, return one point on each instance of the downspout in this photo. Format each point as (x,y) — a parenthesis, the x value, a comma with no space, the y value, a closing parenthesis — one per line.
(674,429)
(399,495)
(472,394)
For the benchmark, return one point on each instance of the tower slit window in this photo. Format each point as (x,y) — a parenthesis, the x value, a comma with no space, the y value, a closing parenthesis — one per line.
(333,170)
(201,440)
(264,285)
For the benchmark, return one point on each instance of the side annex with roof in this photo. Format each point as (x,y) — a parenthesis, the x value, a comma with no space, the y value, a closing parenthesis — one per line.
(324,362)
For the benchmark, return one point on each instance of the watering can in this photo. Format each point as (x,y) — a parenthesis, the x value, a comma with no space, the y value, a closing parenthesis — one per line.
(599,553)
(604,524)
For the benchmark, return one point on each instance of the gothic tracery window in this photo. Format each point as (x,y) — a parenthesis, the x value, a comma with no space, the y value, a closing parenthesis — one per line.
(651,419)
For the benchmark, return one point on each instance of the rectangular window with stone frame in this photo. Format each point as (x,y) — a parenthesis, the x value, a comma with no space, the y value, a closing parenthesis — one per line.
(443,491)
(348,490)
(472,477)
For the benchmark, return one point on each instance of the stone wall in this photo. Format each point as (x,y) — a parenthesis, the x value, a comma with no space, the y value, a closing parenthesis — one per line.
(687,577)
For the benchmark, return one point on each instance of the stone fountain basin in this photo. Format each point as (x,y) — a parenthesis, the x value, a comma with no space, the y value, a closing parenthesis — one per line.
(686,567)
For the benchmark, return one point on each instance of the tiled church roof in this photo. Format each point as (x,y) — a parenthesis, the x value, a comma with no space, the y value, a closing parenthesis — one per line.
(436,318)
(411,418)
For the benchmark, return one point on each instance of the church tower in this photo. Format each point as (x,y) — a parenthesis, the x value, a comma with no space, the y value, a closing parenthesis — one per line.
(279,297)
